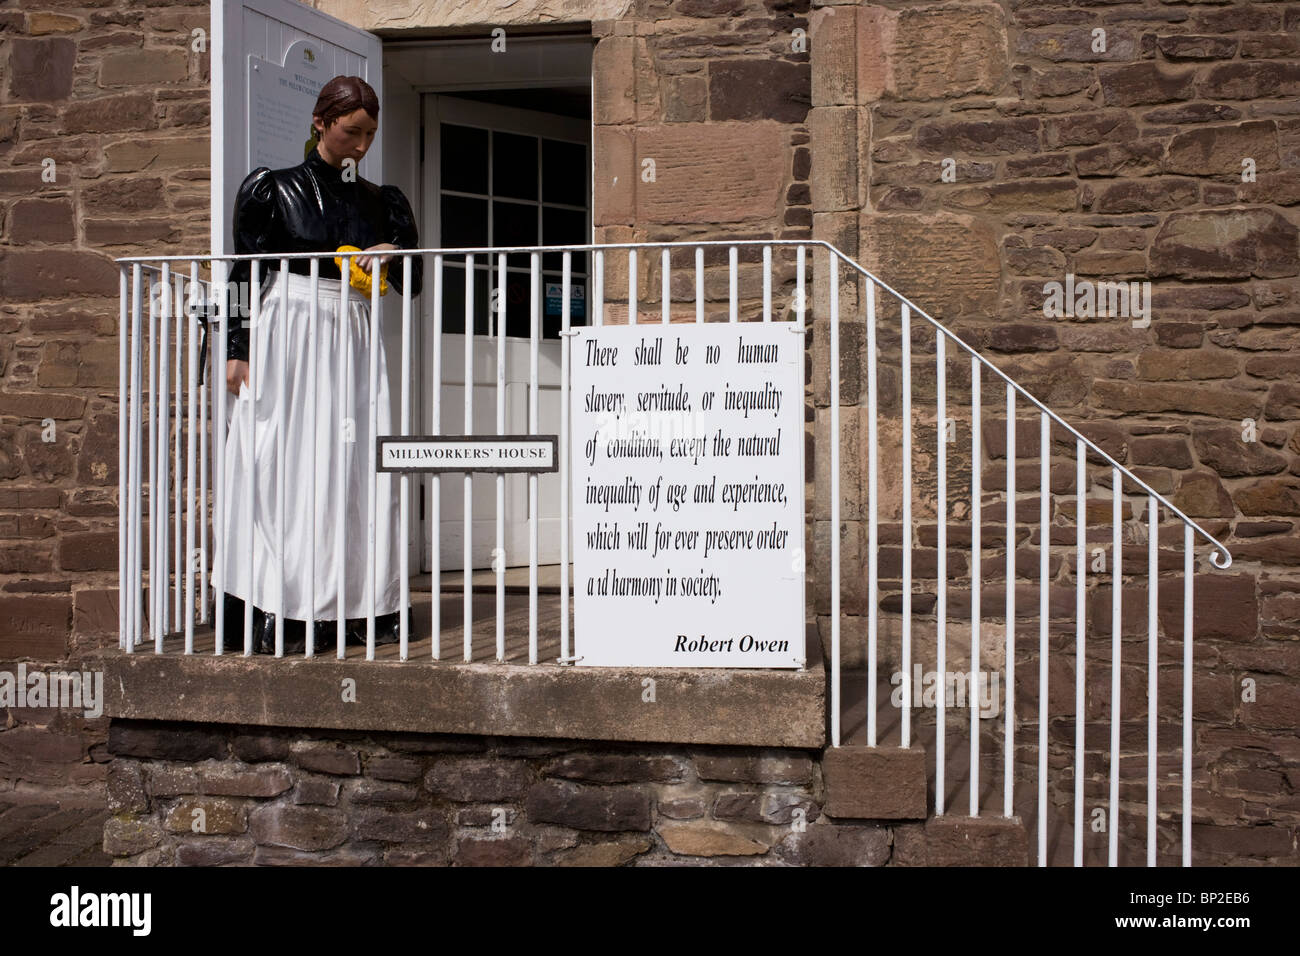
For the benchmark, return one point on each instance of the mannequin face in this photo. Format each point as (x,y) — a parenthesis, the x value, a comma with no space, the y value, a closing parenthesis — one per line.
(348,137)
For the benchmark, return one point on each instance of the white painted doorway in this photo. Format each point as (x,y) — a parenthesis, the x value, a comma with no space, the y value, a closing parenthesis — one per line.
(495,174)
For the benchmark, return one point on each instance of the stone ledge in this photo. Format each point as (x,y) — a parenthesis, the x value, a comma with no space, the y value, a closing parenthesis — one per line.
(767,708)
(875,783)
(953,840)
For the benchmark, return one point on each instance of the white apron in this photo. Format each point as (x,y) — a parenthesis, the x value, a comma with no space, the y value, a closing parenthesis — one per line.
(301,600)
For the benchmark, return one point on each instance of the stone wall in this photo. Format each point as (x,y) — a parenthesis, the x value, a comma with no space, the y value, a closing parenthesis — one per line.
(1138,141)
(205,795)
(103,153)
(1115,163)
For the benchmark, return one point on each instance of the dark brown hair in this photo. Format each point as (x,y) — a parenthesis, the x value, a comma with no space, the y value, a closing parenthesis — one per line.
(343,95)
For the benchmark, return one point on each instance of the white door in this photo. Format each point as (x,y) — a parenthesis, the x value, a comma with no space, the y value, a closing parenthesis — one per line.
(497,175)
(271,57)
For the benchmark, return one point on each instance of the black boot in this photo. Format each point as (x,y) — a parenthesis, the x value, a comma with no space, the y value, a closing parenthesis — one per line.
(233,635)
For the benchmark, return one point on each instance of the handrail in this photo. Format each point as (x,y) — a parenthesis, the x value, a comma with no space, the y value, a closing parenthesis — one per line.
(1221,557)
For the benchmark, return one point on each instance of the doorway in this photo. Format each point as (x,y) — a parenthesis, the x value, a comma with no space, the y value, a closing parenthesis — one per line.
(500,175)
(503,157)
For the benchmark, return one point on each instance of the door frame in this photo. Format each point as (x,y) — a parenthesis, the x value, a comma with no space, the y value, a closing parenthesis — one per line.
(439,108)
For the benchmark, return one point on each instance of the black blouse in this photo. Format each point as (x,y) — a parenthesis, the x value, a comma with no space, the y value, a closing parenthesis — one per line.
(312,208)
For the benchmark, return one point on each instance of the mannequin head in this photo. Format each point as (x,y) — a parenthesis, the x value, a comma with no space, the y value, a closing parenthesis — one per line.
(345,119)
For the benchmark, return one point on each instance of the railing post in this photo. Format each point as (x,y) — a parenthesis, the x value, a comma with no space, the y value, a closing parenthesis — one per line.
(314,314)
(833,279)
(435,479)
(191,449)
(1080,582)
(467,518)
(1153,575)
(1187,694)
(219,503)
(873,516)
(565,348)
(344,324)
(1009,677)
(534,292)
(1044,608)
(404,505)
(1116,546)
(499,553)
(975,459)
(282,325)
(941,582)
(906,716)
(158,406)
(124,582)
(376,332)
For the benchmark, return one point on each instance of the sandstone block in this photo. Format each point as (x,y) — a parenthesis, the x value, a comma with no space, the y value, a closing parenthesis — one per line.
(872,783)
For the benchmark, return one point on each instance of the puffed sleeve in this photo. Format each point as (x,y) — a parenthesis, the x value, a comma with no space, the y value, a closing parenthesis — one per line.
(255,226)
(402,233)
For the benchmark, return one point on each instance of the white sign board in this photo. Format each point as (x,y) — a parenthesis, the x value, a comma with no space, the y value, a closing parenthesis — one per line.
(280,101)
(687,446)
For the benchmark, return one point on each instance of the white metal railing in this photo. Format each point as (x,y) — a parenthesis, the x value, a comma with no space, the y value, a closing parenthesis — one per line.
(175,280)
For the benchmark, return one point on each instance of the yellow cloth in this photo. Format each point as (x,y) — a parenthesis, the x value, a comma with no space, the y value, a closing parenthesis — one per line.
(358,277)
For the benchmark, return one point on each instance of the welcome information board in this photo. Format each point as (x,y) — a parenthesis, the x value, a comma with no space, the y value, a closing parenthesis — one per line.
(688,495)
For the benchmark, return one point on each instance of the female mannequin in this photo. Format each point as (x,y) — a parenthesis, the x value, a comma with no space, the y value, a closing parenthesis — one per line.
(317,206)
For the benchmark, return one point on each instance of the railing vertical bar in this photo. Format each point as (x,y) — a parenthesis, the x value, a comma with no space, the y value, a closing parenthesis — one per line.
(204,459)
(833,279)
(158,404)
(1009,676)
(220,390)
(1187,694)
(135,633)
(435,479)
(665,286)
(631,286)
(124,583)
(344,324)
(767,283)
(282,325)
(1080,582)
(404,505)
(565,289)
(906,711)
(372,502)
(178,394)
(941,574)
(191,449)
(534,292)
(699,282)
(975,465)
(250,432)
(1116,514)
(1044,608)
(467,606)
(499,553)
(1153,576)
(732,270)
(313,349)
(873,516)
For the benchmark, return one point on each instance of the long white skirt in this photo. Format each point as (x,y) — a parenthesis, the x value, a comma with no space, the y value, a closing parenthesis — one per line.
(305,558)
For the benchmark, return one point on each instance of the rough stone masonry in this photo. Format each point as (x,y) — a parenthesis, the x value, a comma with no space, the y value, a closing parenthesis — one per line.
(968,152)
